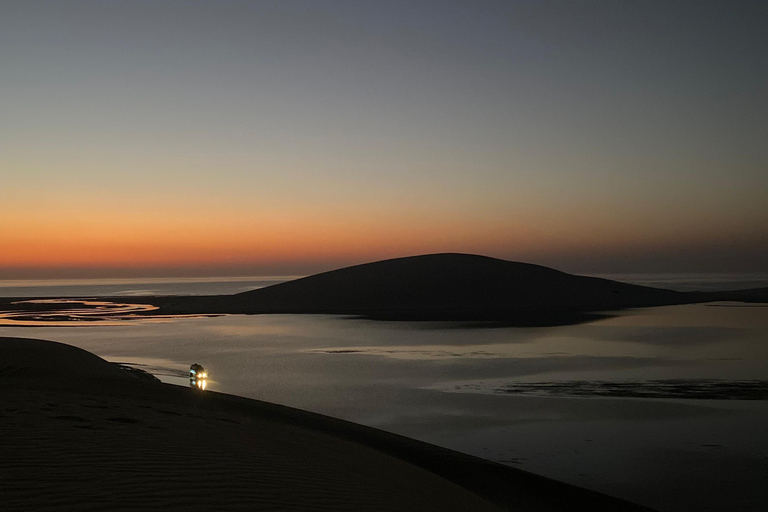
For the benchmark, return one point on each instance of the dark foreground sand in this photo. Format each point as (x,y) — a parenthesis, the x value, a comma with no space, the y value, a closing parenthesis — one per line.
(79,433)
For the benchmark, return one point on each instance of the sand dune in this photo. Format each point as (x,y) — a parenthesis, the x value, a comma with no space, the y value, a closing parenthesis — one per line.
(454,283)
(443,287)
(78,433)
(448,287)
(436,287)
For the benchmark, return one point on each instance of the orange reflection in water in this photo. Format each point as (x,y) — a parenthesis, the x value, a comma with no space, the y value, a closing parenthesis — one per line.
(90,312)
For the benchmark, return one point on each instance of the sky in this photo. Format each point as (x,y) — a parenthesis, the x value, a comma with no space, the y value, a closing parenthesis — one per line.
(171,138)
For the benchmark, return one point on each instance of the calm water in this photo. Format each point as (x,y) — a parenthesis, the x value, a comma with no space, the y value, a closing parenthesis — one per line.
(134,287)
(460,388)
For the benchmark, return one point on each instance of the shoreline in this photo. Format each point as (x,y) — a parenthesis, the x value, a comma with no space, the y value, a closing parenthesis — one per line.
(67,408)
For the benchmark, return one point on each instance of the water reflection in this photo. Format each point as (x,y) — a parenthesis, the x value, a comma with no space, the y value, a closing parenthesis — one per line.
(402,378)
(57,312)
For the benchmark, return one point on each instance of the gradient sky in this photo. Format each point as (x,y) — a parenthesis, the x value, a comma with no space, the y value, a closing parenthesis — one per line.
(231,137)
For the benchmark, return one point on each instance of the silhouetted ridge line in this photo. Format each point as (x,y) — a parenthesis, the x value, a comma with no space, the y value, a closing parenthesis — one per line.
(446,287)
(451,287)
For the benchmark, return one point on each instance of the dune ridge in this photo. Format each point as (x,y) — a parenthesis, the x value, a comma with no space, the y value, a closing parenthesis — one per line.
(106,439)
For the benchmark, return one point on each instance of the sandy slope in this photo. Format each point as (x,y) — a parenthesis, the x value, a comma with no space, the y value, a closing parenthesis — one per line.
(78,433)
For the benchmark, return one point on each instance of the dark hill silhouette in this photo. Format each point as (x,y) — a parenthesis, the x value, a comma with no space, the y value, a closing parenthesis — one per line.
(451,287)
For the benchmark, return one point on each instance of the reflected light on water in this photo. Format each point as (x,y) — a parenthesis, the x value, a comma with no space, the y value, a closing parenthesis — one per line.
(601,404)
(102,312)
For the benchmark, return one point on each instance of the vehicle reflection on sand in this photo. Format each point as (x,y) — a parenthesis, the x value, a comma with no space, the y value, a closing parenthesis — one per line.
(64,313)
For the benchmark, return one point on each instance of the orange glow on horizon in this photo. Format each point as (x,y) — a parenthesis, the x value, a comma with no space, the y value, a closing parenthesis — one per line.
(151,240)
(187,238)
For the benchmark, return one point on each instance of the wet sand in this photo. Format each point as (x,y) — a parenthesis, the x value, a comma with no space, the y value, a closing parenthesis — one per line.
(78,433)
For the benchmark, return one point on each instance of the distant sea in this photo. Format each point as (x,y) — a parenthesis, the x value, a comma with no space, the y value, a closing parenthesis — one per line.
(134,287)
(228,285)
(694,282)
